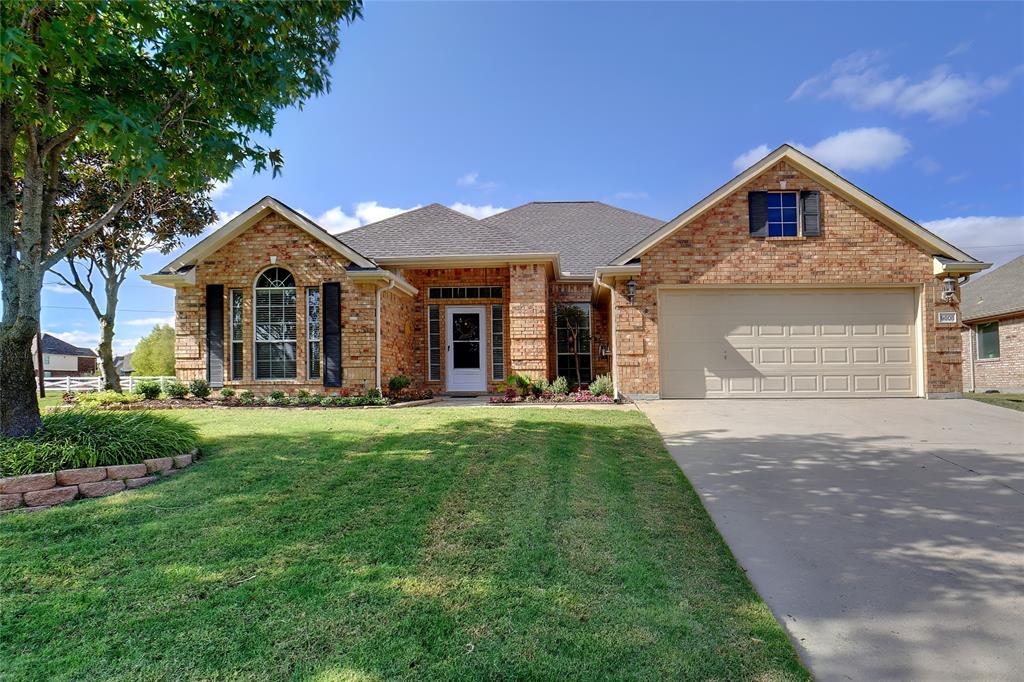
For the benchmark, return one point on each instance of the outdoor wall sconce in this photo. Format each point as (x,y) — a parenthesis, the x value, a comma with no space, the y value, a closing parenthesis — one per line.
(948,289)
(630,289)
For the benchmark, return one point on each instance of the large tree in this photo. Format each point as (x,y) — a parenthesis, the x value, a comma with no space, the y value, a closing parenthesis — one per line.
(155,218)
(154,356)
(173,92)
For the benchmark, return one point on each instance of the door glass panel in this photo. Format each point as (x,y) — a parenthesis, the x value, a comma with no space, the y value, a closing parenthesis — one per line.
(466,340)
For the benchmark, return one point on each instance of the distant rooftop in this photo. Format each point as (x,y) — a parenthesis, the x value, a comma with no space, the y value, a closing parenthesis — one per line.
(999,292)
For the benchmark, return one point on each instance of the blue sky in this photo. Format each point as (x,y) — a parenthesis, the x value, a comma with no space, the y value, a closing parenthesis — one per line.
(485,106)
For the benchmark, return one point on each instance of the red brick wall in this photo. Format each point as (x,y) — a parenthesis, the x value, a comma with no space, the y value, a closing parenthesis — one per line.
(1006,372)
(854,249)
(528,317)
(236,266)
(579,292)
(398,336)
(423,279)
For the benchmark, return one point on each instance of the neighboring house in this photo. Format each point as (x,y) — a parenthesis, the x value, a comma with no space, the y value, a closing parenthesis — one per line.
(123,364)
(787,281)
(61,359)
(993,338)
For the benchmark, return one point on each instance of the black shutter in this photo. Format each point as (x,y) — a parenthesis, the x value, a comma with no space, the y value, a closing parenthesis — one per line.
(332,333)
(758,203)
(215,335)
(810,206)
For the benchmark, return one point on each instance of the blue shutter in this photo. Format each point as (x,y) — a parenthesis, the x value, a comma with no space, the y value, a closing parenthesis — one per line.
(215,335)
(331,331)
(757,203)
(810,206)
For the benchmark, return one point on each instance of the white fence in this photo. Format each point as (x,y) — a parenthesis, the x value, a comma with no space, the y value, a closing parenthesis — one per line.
(85,384)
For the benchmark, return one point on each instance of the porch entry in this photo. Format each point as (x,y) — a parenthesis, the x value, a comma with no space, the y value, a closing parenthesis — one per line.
(466,349)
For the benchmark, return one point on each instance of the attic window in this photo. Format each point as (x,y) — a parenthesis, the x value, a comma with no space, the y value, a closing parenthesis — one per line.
(783,218)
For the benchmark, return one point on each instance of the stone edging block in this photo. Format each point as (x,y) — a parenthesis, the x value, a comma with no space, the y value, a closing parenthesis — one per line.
(33,492)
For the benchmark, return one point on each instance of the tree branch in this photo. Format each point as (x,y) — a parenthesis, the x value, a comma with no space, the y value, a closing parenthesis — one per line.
(61,139)
(77,240)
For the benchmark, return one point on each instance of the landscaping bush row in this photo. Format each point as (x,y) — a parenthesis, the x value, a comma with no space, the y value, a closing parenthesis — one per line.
(80,438)
(175,393)
(524,388)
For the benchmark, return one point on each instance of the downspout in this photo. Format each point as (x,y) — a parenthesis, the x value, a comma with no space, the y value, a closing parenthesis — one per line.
(615,335)
(389,287)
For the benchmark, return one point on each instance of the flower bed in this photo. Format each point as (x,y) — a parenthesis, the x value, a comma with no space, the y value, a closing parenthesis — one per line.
(228,397)
(521,388)
(78,438)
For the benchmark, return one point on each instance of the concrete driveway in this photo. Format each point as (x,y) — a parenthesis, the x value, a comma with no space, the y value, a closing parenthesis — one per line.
(886,535)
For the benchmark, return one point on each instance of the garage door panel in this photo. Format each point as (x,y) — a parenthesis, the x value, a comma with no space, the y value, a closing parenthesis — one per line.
(743,343)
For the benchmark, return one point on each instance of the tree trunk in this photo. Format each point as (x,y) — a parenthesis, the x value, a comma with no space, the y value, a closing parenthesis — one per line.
(19,408)
(110,375)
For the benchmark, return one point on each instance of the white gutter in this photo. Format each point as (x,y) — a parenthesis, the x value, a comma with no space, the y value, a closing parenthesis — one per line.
(615,345)
(389,287)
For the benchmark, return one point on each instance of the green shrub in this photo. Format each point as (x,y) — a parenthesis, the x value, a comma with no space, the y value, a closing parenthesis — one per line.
(560,386)
(246,397)
(106,398)
(304,397)
(150,390)
(277,398)
(398,382)
(602,385)
(227,393)
(176,389)
(327,401)
(199,388)
(538,387)
(372,394)
(72,439)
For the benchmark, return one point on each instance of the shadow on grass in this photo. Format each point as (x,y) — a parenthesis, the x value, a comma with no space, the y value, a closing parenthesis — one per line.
(432,544)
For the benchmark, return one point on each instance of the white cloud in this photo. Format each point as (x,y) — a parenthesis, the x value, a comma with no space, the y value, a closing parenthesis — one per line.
(473,180)
(92,340)
(862,81)
(995,239)
(928,165)
(859,149)
(57,288)
(959,177)
(220,188)
(960,48)
(149,321)
(336,220)
(750,157)
(631,196)
(478,212)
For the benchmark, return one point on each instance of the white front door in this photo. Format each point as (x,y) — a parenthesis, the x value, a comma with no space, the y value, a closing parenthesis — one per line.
(467,349)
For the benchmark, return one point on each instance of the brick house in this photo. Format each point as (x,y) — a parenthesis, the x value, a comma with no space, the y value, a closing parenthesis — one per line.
(993,331)
(786,281)
(62,359)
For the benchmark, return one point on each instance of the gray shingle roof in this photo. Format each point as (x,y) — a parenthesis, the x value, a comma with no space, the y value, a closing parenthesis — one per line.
(433,230)
(54,346)
(1000,291)
(585,234)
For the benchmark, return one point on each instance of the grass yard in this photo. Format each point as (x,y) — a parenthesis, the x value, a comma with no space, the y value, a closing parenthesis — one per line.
(52,399)
(433,544)
(1014,401)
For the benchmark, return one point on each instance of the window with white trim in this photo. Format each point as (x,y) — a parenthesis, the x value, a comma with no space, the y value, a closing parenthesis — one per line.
(274,324)
(497,343)
(313,332)
(988,341)
(237,362)
(433,343)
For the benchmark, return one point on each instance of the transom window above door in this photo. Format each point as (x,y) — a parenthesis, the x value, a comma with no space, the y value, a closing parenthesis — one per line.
(464,292)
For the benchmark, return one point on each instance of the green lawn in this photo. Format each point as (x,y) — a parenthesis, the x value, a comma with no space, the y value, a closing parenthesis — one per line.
(1014,401)
(52,398)
(435,544)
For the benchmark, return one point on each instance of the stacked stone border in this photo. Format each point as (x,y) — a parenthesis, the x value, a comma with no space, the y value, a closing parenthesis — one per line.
(33,492)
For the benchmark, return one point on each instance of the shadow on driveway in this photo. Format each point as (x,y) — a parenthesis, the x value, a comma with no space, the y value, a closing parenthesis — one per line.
(886,535)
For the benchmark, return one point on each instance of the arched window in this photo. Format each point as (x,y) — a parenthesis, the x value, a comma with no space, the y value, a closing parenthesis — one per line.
(274,313)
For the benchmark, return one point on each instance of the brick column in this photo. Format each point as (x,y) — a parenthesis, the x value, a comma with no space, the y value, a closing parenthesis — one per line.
(528,320)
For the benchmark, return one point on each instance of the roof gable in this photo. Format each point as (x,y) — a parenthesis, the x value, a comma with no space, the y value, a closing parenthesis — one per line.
(997,293)
(54,346)
(247,219)
(929,242)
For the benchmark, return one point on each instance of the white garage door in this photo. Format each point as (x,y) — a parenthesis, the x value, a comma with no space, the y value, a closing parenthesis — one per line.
(787,343)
